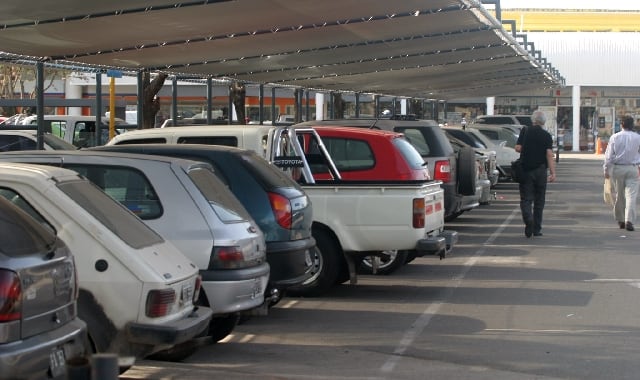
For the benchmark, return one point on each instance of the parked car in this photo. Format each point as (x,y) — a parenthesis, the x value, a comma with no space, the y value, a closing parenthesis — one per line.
(499,133)
(504,119)
(278,204)
(483,161)
(136,291)
(26,139)
(38,294)
(456,171)
(220,237)
(475,138)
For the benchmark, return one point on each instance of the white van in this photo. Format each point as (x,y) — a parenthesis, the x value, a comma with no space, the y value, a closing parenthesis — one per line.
(137,291)
(251,137)
(78,130)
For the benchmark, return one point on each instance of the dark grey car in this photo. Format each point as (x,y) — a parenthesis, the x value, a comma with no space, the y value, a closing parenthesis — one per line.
(39,329)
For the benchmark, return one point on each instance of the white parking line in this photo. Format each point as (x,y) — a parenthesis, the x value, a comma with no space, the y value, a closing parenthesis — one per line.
(423,320)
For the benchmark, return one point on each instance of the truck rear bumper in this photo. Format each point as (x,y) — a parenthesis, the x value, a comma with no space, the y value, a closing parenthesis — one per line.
(437,245)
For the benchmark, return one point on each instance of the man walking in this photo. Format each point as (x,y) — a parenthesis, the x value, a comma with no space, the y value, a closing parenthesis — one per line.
(621,160)
(535,147)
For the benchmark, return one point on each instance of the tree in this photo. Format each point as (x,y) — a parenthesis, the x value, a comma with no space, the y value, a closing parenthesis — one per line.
(150,101)
(12,84)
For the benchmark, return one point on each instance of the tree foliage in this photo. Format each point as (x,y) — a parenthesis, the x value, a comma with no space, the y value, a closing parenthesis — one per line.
(12,84)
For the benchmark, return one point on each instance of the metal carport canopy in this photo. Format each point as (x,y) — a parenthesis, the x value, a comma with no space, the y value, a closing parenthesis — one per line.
(435,49)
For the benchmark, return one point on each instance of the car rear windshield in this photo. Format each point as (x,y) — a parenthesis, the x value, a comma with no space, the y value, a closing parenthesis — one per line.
(264,172)
(20,234)
(110,213)
(224,203)
(410,154)
(430,141)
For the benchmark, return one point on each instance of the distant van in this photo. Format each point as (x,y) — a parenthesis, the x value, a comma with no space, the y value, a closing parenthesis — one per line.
(78,130)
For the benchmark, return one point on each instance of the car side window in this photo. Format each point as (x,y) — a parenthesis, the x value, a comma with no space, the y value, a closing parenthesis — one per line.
(84,135)
(14,142)
(153,140)
(58,128)
(209,140)
(127,185)
(350,154)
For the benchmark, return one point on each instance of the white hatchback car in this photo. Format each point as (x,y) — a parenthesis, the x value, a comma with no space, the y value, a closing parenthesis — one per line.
(137,290)
(220,237)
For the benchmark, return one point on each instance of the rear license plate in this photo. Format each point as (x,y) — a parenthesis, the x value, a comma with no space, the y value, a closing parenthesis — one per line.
(257,288)
(57,364)
(187,293)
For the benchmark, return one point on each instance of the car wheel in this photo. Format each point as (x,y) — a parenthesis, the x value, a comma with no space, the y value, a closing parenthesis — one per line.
(222,326)
(467,171)
(326,266)
(176,353)
(453,216)
(389,262)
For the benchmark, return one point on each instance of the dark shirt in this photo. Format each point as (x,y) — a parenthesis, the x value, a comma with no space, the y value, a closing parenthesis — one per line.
(534,141)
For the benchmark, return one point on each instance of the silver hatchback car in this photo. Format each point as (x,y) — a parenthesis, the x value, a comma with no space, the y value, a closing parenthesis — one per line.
(186,203)
(39,329)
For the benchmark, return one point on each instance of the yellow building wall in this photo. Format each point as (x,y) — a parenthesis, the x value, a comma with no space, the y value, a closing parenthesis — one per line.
(572,21)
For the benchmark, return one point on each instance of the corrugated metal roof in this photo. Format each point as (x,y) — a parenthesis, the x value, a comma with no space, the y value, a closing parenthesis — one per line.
(593,59)
(416,48)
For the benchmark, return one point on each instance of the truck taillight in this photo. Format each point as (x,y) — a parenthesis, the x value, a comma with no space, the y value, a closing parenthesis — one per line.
(227,257)
(438,206)
(281,209)
(442,171)
(10,296)
(418,212)
(159,302)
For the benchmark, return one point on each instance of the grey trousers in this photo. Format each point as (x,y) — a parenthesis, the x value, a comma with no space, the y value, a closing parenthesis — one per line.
(625,185)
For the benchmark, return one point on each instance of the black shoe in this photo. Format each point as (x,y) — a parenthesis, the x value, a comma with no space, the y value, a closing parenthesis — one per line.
(537,234)
(528,229)
(629,226)
(621,224)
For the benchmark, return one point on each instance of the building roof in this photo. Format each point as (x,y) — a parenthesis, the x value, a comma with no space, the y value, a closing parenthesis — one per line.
(437,49)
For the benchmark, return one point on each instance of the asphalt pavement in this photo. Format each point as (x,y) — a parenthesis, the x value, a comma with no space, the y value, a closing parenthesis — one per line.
(501,306)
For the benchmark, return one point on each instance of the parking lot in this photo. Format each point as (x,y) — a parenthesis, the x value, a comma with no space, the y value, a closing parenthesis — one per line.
(501,306)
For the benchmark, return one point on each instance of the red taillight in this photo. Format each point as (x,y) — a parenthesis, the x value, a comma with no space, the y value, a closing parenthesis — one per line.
(10,296)
(438,206)
(442,171)
(227,258)
(418,212)
(159,302)
(281,209)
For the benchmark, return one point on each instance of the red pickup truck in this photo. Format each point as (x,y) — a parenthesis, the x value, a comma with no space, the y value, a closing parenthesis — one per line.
(367,155)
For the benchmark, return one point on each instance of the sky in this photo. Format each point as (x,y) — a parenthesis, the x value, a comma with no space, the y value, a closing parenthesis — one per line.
(572,4)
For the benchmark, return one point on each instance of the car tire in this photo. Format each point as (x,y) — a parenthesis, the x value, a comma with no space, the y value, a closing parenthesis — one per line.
(176,353)
(390,262)
(467,171)
(221,326)
(326,267)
